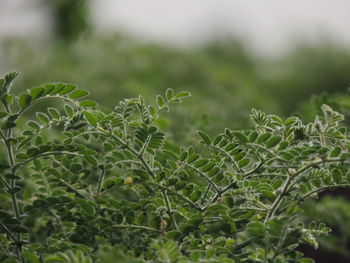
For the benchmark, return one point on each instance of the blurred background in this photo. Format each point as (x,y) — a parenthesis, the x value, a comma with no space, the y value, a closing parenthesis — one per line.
(283,57)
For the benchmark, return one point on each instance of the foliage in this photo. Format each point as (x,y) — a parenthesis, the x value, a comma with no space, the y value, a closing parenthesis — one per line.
(225,78)
(338,242)
(84,184)
(338,220)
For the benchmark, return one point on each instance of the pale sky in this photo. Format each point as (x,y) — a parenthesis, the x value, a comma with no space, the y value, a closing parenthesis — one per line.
(268,25)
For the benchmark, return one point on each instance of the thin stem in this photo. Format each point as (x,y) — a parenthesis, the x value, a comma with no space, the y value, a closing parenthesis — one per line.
(210,181)
(169,209)
(100,183)
(3,137)
(321,189)
(2,180)
(11,159)
(207,190)
(15,240)
(144,147)
(148,168)
(166,104)
(69,186)
(179,195)
(277,201)
(18,165)
(8,232)
(227,155)
(12,181)
(48,97)
(138,227)
(164,192)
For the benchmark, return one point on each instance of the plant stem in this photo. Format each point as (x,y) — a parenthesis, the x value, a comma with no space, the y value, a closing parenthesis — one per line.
(210,181)
(150,171)
(139,227)
(322,189)
(170,212)
(100,182)
(177,194)
(277,201)
(12,184)
(69,186)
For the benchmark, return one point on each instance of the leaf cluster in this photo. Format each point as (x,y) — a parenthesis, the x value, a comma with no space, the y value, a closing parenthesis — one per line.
(80,184)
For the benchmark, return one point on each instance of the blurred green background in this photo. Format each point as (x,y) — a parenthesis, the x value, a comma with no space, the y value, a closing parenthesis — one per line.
(225,78)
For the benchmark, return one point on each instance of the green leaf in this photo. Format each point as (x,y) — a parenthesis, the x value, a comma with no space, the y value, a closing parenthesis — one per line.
(24,100)
(67,88)
(54,113)
(43,117)
(182,94)
(91,159)
(208,167)
(57,88)
(78,94)
(48,88)
(90,118)
(205,137)
(33,151)
(2,114)
(243,163)
(160,101)
(33,124)
(88,103)
(263,137)
(4,166)
(200,163)
(5,83)
(337,176)
(290,121)
(8,125)
(68,110)
(88,152)
(183,156)
(152,110)
(30,257)
(240,136)
(306,260)
(252,136)
(8,99)
(152,130)
(335,152)
(36,93)
(272,142)
(169,94)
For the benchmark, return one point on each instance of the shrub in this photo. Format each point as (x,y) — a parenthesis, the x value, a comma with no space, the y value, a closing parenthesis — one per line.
(87,185)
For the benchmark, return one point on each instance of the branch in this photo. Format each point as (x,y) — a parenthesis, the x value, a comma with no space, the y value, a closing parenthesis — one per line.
(321,189)
(277,201)
(8,232)
(47,97)
(227,155)
(138,227)
(100,183)
(177,194)
(203,175)
(18,165)
(69,186)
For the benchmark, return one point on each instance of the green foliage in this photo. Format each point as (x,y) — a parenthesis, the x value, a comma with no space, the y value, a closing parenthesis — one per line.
(81,184)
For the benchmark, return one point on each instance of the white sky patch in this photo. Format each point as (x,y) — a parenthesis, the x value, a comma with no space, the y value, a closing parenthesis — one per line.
(269,26)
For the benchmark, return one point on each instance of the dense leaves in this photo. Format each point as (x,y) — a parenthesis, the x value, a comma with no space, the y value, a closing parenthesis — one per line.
(84,185)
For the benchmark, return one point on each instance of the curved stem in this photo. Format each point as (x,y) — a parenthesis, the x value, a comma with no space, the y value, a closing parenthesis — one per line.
(210,181)
(138,227)
(324,188)
(19,165)
(12,162)
(100,183)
